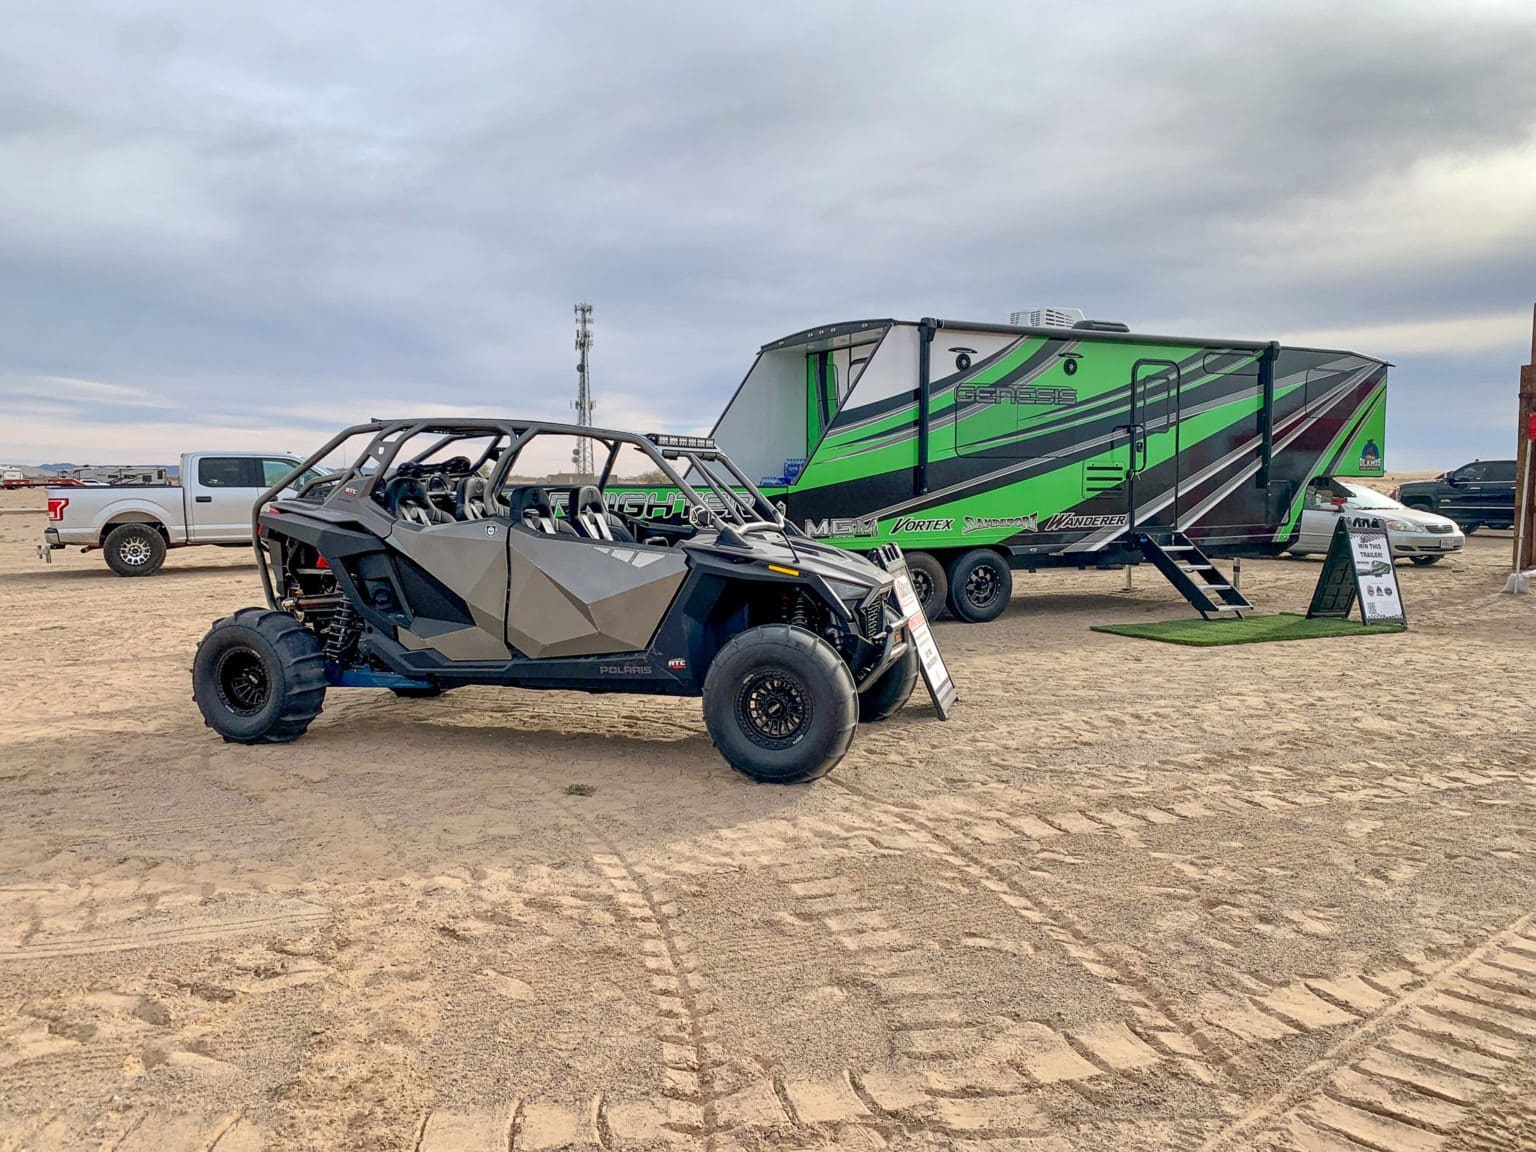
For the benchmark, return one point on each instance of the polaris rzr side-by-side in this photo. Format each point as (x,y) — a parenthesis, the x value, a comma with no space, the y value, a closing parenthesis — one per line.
(427,564)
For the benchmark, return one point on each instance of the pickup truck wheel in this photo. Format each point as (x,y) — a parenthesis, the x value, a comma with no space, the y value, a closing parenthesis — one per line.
(780,704)
(890,690)
(980,584)
(134,550)
(259,677)
(1469,527)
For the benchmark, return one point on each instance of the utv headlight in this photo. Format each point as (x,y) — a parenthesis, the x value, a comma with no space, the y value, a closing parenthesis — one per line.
(848,593)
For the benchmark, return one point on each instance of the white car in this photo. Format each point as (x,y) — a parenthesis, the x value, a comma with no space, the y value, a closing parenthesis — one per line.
(1422,537)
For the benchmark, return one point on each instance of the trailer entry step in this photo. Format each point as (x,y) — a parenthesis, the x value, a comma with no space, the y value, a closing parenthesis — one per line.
(1198,580)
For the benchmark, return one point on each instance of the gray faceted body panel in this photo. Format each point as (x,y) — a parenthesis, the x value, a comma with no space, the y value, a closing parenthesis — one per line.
(471,559)
(572,597)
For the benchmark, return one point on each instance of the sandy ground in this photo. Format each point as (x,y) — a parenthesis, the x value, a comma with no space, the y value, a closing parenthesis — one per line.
(1131,896)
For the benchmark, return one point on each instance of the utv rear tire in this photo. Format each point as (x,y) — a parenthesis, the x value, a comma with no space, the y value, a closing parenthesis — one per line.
(928,581)
(780,704)
(980,583)
(134,550)
(891,690)
(259,677)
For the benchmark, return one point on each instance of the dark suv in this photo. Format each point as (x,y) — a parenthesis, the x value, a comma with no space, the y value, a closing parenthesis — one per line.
(1476,495)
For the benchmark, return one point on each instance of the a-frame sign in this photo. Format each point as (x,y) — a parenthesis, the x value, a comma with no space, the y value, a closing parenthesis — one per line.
(1358,567)
(935,675)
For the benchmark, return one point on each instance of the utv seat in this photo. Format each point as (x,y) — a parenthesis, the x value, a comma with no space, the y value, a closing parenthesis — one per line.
(469,502)
(531,508)
(587,513)
(406,499)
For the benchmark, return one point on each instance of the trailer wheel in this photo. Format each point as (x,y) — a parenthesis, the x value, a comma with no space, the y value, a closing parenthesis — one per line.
(928,581)
(891,690)
(980,583)
(259,677)
(780,704)
(134,550)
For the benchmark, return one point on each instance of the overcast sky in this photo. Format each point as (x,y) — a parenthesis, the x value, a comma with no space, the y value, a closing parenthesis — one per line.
(248,231)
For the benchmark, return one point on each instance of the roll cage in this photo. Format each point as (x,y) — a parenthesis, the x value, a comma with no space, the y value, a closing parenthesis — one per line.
(739,506)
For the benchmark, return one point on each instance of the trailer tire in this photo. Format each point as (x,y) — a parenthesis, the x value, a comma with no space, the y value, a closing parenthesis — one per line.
(980,583)
(134,549)
(259,677)
(929,581)
(780,704)
(891,690)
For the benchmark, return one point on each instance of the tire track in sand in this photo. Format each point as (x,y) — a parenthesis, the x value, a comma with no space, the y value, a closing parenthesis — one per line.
(1408,1077)
(1188,1046)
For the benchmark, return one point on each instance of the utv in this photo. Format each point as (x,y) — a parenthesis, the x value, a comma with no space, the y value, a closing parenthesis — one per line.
(427,564)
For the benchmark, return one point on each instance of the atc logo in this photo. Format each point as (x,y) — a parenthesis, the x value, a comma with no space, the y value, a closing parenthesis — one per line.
(1370,457)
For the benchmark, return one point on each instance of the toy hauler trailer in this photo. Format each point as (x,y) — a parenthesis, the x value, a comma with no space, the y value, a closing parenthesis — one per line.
(983,448)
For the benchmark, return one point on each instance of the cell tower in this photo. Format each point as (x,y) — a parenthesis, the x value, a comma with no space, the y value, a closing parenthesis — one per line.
(582,457)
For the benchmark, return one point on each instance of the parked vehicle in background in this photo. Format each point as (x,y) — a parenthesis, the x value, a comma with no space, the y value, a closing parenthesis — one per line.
(135,524)
(1476,495)
(1420,536)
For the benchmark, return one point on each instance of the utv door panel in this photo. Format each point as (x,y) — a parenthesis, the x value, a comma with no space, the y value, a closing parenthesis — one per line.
(572,597)
(470,558)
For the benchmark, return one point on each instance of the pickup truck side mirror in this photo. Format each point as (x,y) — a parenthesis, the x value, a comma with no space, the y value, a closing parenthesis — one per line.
(1451,479)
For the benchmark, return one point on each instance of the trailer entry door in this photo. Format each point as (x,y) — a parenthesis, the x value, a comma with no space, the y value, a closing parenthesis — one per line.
(1152,447)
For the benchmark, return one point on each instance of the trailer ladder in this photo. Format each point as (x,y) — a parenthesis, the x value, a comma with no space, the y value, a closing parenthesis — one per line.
(1198,580)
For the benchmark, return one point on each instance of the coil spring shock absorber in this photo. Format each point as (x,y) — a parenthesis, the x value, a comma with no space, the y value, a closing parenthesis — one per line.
(797,609)
(341,633)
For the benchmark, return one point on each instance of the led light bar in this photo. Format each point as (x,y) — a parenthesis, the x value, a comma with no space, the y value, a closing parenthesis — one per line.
(667,440)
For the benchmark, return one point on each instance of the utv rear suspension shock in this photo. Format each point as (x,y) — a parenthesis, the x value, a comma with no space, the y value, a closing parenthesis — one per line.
(341,632)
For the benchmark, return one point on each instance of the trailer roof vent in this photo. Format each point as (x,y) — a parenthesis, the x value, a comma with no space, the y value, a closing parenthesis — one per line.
(1102,326)
(1046,318)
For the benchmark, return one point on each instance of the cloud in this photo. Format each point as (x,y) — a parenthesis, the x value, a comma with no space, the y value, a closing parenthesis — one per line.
(302,216)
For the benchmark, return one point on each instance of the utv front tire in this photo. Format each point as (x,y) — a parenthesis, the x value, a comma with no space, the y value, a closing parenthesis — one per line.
(259,677)
(134,550)
(928,581)
(980,583)
(780,704)
(891,690)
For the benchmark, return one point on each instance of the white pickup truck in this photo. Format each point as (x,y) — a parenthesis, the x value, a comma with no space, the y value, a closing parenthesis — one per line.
(134,524)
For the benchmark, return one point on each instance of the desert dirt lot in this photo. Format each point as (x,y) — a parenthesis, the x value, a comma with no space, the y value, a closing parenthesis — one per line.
(1132,896)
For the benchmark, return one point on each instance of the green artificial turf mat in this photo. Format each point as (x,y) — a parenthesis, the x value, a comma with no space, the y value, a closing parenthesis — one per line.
(1249,630)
